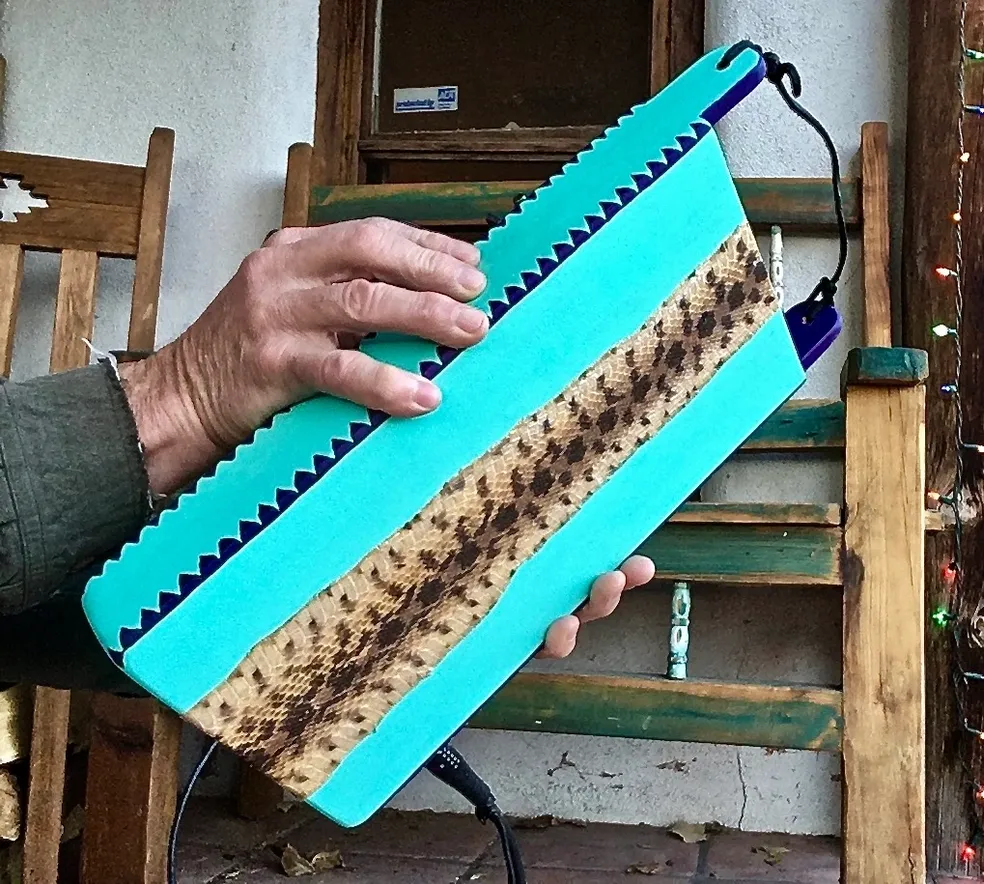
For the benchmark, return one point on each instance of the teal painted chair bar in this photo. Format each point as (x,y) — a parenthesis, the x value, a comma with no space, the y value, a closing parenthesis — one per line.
(869,544)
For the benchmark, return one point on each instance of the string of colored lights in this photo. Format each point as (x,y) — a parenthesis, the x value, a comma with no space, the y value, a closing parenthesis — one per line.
(946,615)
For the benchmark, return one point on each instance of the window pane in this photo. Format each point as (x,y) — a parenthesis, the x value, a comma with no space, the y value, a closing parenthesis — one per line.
(542,63)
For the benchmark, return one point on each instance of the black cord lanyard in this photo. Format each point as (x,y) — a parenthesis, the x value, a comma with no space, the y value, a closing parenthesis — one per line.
(776,72)
(446,764)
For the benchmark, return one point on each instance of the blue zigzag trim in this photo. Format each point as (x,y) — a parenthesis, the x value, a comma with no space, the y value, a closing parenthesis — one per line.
(268,513)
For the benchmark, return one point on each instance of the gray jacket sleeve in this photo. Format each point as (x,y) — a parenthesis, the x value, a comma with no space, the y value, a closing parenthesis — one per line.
(72,482)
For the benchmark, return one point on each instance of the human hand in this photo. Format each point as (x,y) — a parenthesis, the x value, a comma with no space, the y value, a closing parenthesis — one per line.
(606,592)
(284,328)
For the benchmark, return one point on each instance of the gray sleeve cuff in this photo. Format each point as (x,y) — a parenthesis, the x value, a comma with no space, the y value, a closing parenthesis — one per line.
(73,486)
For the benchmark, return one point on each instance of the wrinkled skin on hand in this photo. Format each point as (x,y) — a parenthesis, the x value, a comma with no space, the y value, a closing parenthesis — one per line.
(285,327)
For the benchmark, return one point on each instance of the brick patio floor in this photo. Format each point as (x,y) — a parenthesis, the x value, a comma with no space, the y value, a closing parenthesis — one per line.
(429,848)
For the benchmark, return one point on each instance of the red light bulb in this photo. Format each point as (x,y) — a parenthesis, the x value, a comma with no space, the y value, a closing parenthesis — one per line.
(950,572)
(967,853)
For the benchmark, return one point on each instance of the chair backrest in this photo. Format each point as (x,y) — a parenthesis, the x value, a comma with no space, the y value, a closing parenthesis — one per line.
(759,543)
(84,210)
(869,543)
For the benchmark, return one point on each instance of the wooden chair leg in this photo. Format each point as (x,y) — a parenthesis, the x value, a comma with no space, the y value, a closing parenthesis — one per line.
(884,693)
(131,791)
(257,795)
(46,785)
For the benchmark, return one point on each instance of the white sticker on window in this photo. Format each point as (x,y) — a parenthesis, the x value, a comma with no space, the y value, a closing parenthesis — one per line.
(428,98)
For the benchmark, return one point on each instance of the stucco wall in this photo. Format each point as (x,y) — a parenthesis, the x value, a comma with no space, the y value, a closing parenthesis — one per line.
(236,82)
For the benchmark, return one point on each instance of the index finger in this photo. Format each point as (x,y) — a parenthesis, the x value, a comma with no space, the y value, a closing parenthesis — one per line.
(429,239)
(377,251)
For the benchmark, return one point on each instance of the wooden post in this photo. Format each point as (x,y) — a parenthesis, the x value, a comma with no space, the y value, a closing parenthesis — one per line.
(131,768)
(928,241)
(876,230)
(883,746)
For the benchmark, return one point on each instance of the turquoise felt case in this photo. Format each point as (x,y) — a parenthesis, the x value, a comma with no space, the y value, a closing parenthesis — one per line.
(178,611)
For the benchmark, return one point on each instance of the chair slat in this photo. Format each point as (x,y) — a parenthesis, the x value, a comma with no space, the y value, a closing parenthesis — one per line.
(691,711)
(11,274)
(107,230)
(46,785)
(90,206)
(780,555)
(74,309)
(828,514)
(795,203)
(76,181)
(74,316)
(801,425)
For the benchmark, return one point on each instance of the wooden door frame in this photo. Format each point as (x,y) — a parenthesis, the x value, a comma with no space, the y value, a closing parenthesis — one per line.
(934,108)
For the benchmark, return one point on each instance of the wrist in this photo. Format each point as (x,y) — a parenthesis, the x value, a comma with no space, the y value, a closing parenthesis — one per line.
(176,447)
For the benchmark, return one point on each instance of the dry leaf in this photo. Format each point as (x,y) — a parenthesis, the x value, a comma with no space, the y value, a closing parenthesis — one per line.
(293,864)
(773,855)
(327,860)
(645,869)
(690,833)
(10,807)
(72,826)
(675,765)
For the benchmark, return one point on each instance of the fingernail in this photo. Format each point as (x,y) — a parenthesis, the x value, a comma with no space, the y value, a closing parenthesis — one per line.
(426,397)
(470,320)
(471,280)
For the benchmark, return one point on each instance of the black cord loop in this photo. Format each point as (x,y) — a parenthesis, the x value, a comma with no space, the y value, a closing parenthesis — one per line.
(172,841)
(778,72)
